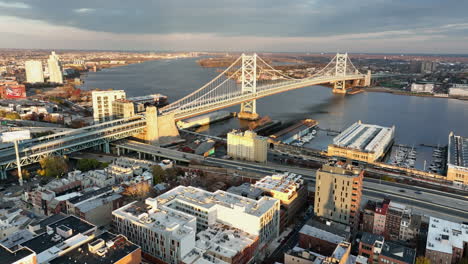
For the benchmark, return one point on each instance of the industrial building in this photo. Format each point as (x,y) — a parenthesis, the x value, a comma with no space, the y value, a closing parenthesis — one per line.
(179,214)
(457,159)
(102,104)
(422,87)
(338,193)
(362,142)
(458,90)
(247,146)
(34,71)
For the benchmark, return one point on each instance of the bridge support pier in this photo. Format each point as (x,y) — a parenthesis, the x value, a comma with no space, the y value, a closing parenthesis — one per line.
(160,129)
(3,174)
(367,80)
(339,87)
(249,85)
(106,147)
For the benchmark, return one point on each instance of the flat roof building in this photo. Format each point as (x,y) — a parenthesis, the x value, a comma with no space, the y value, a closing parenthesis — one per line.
(338,192)
(446,241)
(34,71)
(102,104)
(247,146)
(362,142)
(107,248)
(457,159)
(22,255)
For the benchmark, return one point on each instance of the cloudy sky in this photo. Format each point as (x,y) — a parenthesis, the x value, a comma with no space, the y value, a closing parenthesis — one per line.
(401,26)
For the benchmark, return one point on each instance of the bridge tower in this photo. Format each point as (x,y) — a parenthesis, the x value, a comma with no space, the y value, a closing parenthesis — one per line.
(340,71)
(249,85)
(160,129)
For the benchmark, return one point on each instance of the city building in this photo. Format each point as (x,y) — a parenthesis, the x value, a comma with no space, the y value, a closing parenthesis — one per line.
(11,221)
(370,246)
(394,219)
(102,104)
(178,214)
(447,242)
(362,142)
(106,248)
(458,90)
(247,146)
(410,228)
(34,71)
(21,255)
(322,237)
(338,191)
(374,217)
(393,253)
(55,68)
(164,234)
(122,108)
(428,66)
(246,190)
(422,88)
(13,91)
(340,255)
(290,189)
(60,237)
(295,132)
(457,159)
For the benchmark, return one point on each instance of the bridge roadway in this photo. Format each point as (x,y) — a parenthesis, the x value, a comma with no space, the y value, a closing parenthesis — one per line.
(210,104)
(427,201)
(67,142)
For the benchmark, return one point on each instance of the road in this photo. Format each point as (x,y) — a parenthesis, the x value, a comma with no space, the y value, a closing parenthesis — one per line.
(426,201)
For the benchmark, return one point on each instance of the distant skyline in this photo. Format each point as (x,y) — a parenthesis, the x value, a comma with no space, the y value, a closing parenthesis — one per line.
(359,26)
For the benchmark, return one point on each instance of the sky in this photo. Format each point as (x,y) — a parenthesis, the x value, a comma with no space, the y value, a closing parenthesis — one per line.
(367,26)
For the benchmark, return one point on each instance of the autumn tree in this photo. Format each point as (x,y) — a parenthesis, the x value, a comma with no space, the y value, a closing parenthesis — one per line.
(422,260)
(53,166)
(139,190)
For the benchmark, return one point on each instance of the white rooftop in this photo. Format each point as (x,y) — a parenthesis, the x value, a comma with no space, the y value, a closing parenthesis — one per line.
(443,235)
(208,200)
(224,240)
(364,137)
(285,183)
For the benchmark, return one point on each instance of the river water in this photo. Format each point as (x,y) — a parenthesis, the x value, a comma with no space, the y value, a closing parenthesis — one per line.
(418,120)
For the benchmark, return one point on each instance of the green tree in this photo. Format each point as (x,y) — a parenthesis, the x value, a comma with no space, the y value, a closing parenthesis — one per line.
(422,260)
(90,164)
(171,174)
(159,174)
(53,166)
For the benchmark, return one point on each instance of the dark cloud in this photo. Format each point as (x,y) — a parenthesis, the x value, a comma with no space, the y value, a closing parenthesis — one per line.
(274,18)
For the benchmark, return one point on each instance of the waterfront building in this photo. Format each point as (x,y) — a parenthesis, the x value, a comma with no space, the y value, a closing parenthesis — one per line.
(122,108)
(447,242)
(422,87)
(338,191)
(458,90)
(295,132)
(247,146)
(102,104)
(34,71)
(55,68)
(362,142)
(290,189)
(457,159)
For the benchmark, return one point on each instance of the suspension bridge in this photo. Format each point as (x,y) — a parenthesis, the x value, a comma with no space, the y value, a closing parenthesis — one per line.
(247,79)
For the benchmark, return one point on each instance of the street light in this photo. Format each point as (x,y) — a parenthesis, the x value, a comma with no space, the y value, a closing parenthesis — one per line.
(14,137)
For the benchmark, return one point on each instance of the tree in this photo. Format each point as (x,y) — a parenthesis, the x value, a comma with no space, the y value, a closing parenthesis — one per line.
(53,166)
(12,115)
(140,189)
(171,174)
(90,164)
(422,260)
(463,261)
(159,175)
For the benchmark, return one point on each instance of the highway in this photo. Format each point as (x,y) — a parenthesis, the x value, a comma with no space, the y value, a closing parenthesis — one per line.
(422,200)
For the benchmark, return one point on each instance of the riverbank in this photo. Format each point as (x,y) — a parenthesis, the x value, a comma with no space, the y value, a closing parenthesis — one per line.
(408,93)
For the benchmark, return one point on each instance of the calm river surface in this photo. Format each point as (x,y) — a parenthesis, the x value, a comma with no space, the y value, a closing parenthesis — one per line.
(417,119)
